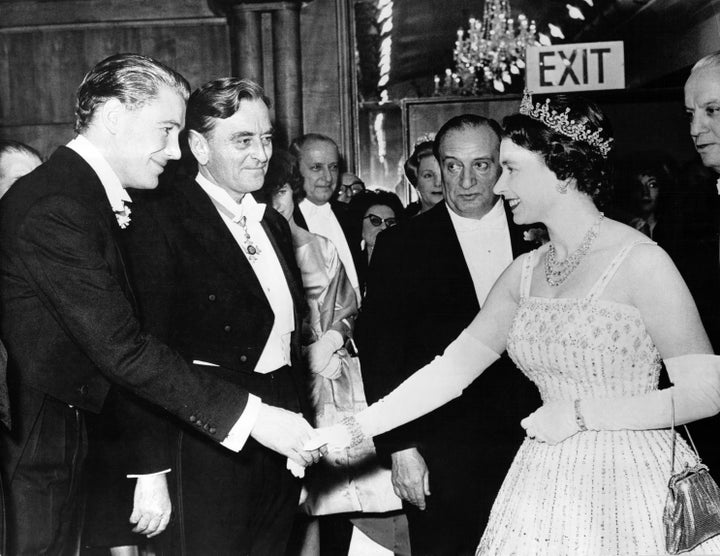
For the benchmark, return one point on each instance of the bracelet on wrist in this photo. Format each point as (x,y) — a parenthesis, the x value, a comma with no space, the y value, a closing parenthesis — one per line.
(579,416)
(356,433)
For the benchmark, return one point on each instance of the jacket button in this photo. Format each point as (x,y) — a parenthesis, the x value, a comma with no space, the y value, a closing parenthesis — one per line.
(227,328)
(192,418)
(211,430)
(243,358)
(199,423)
(211,297)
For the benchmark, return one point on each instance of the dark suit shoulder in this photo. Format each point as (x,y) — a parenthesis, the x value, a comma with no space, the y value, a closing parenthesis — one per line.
(65,179)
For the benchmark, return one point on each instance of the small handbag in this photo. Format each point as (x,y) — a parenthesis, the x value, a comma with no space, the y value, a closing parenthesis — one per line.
(692,508)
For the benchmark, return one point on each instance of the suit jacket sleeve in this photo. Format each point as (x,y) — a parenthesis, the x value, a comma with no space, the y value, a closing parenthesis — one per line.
(72,276)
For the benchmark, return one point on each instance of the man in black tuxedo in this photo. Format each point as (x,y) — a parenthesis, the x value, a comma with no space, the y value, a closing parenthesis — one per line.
(692,229)
(216,278)
(68,309)
(318,163)
(428,279)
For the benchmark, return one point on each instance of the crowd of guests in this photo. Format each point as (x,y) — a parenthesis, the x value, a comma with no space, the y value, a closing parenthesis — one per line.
(171,350)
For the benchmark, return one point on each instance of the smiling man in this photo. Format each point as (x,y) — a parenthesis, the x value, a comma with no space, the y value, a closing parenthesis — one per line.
(215,277)
(428,278)
(68,311)
(318,160)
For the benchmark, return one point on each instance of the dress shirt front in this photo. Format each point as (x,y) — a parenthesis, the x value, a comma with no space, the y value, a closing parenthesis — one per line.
(485,245)
(321,220)
(117,195)
(266,266)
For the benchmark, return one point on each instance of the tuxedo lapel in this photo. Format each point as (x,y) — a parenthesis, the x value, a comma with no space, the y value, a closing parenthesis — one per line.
(204,223)
(449,258)
(87,187)
(293,286)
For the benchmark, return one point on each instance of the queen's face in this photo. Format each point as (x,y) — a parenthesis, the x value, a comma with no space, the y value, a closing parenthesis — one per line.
(526,183)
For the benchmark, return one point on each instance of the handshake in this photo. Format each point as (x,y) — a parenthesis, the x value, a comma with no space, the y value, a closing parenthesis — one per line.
(289,434)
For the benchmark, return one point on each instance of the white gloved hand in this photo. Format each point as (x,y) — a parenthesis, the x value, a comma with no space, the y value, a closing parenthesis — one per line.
(696,393)
(553,422)
(333,370)
(320,352)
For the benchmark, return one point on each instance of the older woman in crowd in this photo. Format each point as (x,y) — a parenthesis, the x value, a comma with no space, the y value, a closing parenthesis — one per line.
(423,172)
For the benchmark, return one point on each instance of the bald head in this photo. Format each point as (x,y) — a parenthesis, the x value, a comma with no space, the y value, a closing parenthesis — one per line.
(16,160)
(702,105)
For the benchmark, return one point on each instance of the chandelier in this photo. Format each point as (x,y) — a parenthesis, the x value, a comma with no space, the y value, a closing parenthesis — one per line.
(490,56)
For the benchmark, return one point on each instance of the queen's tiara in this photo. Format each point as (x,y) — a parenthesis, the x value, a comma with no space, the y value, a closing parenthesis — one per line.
(562,123)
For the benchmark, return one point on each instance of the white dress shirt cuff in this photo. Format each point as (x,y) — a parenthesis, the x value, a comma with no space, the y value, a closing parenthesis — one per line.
(241,430)
(138,475)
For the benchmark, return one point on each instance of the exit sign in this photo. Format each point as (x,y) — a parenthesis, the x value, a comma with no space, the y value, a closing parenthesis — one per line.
(575,67)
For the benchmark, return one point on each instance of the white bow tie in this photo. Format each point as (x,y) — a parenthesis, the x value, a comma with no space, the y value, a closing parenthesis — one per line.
(252,212)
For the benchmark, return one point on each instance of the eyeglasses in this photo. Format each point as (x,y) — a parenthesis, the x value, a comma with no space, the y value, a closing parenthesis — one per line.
(376,221)
(352,188)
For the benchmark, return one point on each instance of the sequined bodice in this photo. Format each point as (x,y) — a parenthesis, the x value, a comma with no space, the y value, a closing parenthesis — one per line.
(582,348)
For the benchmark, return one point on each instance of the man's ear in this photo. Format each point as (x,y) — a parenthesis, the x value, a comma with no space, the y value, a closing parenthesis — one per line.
(199,147)
(111,114)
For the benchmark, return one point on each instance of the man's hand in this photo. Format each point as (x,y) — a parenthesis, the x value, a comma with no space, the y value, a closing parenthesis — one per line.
(151,505)
(285,432)
(410,477)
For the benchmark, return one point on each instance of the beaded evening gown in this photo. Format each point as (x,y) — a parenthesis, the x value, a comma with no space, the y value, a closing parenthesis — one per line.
(598,492)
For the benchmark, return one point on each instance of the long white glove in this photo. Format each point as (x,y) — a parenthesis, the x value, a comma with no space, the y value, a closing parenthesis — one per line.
(319,353)
(696,392)
(434,385)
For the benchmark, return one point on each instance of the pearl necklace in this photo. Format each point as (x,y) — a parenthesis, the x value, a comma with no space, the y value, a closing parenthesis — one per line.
(556,272)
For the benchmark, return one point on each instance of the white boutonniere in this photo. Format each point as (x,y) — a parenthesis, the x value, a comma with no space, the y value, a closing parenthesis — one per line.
(536,235)
(123,216)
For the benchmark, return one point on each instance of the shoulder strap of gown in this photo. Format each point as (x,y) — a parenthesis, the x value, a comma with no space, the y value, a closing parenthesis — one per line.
(599,287)
(526,275)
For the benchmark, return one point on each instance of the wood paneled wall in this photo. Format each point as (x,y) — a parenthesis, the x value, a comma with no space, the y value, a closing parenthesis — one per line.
(47,46)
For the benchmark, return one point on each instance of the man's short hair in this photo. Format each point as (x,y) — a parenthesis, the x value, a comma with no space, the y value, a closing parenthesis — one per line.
(298,144)
(10,146)
(709,61)
(131,78)
(461,122)
(220,99)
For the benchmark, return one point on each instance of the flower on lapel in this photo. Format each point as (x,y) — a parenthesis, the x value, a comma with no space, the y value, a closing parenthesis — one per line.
(123,216)
(536,235)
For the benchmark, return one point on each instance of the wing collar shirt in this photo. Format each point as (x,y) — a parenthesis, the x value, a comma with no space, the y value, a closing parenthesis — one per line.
(117,195)
(321,220)
(485,245)
(271,277)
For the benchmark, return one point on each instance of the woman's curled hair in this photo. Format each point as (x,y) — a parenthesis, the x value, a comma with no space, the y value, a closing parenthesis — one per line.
(563,155)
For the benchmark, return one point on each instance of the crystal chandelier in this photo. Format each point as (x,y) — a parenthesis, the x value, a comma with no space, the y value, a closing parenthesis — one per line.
(490,56)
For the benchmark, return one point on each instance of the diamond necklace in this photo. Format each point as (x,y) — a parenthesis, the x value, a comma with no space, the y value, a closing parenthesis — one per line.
(556,272)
